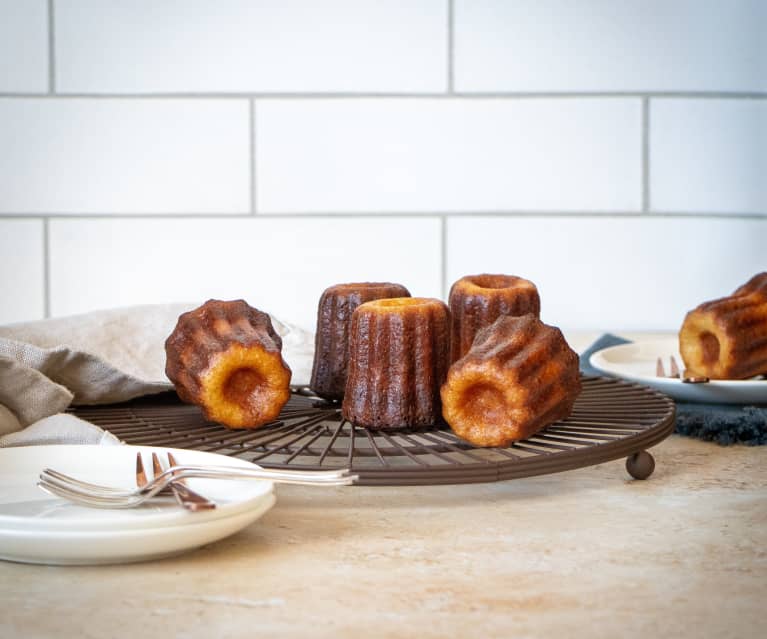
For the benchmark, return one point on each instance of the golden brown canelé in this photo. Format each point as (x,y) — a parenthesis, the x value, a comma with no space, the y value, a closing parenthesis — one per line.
(331,344)
(477,301)
(519,376)
(398,358)
(727,338)
(226,358)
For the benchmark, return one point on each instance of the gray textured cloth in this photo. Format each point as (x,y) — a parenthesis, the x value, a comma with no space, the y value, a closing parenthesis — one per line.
(97,358)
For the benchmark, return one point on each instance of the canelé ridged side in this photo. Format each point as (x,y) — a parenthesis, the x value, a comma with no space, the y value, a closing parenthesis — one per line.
(519,376)
(331,344)
(757,284)
(223,335)
(476,301)
(727,338)
(398,358)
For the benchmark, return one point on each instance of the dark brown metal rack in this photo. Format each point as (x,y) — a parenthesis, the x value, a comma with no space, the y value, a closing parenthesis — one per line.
(611,419)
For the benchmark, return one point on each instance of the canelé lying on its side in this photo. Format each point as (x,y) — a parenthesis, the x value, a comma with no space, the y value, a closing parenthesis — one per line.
(727,338)
(226,358)
(519,376)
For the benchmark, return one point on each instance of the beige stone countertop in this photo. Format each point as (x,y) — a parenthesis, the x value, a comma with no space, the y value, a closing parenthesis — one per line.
(585,553)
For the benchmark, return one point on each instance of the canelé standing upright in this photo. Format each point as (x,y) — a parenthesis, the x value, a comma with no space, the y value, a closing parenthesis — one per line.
(331,343)
(477,301)
(398,358)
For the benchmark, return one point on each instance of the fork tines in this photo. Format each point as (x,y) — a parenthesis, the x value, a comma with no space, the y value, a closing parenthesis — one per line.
(660,371)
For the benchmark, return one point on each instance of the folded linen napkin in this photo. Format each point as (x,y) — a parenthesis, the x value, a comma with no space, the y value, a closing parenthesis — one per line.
(96,358)
(721,423)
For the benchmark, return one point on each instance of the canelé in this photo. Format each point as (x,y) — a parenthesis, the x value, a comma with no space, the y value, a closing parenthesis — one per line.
(519,376)
(727,338)
(477,301)
(226,358)
(331,344)
(398,358)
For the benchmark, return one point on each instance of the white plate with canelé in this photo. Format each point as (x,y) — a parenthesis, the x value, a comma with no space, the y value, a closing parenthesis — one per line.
(636,362)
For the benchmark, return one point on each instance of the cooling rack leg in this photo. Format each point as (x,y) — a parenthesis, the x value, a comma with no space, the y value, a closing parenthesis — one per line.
(640,464)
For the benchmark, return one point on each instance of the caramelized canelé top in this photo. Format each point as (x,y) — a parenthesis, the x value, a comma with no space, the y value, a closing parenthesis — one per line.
(363,289)
(487,281)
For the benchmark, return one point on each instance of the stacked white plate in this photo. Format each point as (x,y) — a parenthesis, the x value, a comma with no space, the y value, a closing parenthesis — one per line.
(36,527)
(636,362)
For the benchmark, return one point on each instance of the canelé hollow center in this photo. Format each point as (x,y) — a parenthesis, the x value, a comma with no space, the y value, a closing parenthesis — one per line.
(244,386)
(709,346)
(496,281)
(486,401)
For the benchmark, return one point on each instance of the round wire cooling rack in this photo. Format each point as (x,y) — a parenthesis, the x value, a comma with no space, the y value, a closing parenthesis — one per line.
(611,419)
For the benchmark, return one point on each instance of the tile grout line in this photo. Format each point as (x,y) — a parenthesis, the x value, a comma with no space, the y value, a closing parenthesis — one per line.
(646,154)
(617,215)
(443,266)
(450,46)
(51,50)
(46,270)
(252,152)
(455,95)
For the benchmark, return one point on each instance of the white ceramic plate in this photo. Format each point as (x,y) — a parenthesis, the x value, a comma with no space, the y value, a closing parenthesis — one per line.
(636,362)
(39,528)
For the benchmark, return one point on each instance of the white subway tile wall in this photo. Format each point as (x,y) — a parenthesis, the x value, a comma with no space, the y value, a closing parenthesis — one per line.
(614,151)
(165,46)
(124,156)
(24,46)
(709,156)
(610,45)
(22,292)
(449,156)
(279,265)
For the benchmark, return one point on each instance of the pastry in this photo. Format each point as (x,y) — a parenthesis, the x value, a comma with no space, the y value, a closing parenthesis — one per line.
(398,358)
(331,345)
(727,338)
(477,301)
(226,358)
(519,376)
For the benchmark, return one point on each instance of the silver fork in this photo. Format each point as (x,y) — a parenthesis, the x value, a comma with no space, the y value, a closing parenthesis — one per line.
(184,495)
(676,373)
(99,496)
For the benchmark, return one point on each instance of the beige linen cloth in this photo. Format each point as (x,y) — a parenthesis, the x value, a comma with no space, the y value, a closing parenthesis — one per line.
(96,358)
